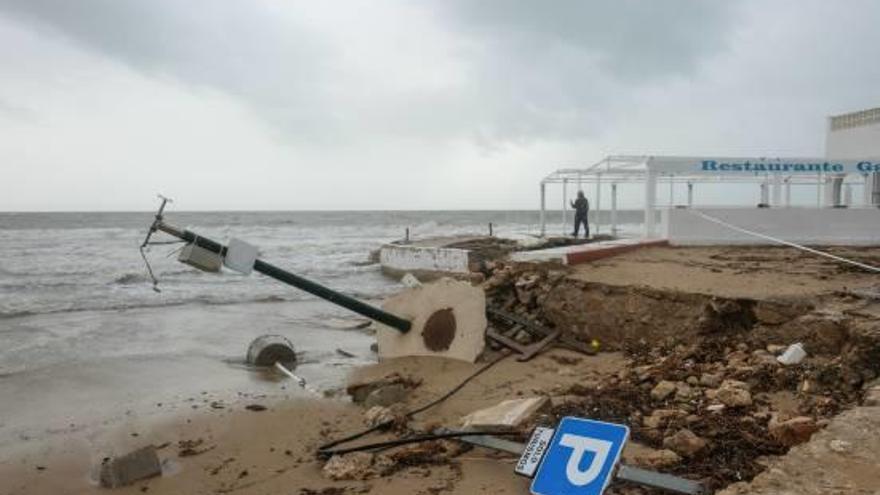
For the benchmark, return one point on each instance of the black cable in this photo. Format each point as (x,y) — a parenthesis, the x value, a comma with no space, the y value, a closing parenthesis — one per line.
(415,439)
(459,386)
(386,424)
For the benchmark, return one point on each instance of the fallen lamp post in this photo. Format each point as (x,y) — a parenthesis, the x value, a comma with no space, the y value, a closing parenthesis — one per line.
(270,270)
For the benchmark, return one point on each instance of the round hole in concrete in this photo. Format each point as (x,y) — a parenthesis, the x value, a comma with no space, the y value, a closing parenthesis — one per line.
(439,331)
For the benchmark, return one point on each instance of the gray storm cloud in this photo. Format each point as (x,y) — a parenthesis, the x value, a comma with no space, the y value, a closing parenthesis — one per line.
(393,104)
(522,70)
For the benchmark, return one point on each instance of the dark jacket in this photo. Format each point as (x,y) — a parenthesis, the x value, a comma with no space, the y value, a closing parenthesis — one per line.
(581,206)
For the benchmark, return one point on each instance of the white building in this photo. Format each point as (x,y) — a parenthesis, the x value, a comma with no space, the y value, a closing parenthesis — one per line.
(855,135)
(835,215)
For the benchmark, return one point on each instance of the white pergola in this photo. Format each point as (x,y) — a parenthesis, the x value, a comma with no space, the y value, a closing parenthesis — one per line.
(833,179)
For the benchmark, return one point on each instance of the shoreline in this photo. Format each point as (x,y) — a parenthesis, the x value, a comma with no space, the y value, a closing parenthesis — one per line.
(650,327)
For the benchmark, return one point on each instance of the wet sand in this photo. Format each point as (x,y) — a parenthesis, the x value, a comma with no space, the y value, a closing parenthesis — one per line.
(753,272)
(272,451)
(60,419)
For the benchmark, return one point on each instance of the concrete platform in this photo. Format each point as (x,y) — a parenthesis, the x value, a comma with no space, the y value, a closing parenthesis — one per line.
(583,253)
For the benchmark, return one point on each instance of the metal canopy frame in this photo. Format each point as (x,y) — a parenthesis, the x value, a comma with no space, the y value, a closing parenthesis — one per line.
(642,169)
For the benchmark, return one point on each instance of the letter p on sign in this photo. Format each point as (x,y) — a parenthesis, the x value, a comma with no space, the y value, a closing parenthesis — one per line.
(581,458)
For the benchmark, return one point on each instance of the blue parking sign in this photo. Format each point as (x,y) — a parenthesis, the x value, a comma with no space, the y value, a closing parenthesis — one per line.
(581,458)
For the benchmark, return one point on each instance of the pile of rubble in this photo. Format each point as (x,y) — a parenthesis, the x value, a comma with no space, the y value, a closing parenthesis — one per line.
(712,390)
(705,390)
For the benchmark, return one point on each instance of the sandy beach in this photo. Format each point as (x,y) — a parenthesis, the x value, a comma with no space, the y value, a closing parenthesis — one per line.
(210,442)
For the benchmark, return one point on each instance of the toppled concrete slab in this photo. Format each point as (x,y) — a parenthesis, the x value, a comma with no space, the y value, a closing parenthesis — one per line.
(507,414)
(448,320)
(134,466)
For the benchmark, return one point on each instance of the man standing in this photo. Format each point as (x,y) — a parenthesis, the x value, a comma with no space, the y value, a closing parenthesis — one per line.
(581,208)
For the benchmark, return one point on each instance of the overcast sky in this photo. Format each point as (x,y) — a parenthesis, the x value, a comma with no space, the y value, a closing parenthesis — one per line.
(386,104)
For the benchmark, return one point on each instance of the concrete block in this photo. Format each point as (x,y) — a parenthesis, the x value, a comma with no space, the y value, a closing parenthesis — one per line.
(409,258)
(448,320)
(507,414)
(134,466)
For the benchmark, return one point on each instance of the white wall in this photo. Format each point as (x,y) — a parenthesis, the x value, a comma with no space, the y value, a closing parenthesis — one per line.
(854,142)
(430,259)
(826,226)
(862,141)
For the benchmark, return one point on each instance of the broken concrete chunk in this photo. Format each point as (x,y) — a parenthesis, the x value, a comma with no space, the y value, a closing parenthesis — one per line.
(134,466)
(775,349)
(379,415)
(657,459)
(793,432)
(660,417)
(711,379)
(684,392)
(507,414)
(733,393)
(684,442)
(663,390)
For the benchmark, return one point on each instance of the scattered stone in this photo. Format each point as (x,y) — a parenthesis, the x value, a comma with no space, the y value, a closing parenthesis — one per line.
(134,466)
(793,432)
(356,466)
(808,386)
(255,407)
(663,390)
(716,408)
(684,443)
(660,417)
(775,349)
(840,446)
(684,392)
(763,357)
(733,393)
(657,459)
(711,379)
(378,415)
(507,414)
